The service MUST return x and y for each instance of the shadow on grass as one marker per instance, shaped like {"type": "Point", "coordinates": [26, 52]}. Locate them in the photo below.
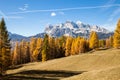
{"type": "Point", "coordinates": [15, 67]}
{"type": "Point", "coordinates": [41, 75]}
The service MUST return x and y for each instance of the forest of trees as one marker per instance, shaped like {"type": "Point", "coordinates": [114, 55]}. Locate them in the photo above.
{"type": "Point", "coordinates": [43, 49]}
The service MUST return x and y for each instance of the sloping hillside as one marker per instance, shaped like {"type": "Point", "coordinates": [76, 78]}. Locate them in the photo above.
{"type": "Point", "coordinates": [112, 73]}
{"type": "Point", "coordinates": [99, 65]}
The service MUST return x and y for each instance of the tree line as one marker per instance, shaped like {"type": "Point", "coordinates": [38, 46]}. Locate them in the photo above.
{"type": "Point", "coordinates": [43, 49]}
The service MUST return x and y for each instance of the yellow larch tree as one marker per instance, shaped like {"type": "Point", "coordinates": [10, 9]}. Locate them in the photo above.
{"type": "Point", "coordinates": [116, 38]}
{"type": "Point", "coordinates": [37, 50]}
{"type": "Point", "coordinates": [73, 47]}
{"type": "Point", "coordinates": [16, 54]}
{"type": "Point", "coordinates": [32, 48]}
{"type": "Point", "coordinates": [93, 40]}
{"type": "Point", "coordinates": [111, 41]}
{"type": "Point", "coordinates": [68, 46]}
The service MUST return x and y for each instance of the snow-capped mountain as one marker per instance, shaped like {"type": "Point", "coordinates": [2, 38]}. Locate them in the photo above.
{"type": "Point", "coordinates": [68, 28]}
{"type": "Point", "coordinates": [75, 29]}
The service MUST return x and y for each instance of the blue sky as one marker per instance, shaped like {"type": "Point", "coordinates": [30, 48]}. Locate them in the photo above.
{"type": "Point", "coordinates": [29, 17]}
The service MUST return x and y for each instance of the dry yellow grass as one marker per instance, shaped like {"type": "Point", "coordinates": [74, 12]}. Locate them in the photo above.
{"type": "Point", "coordinates": [112, 73]}
{"type": "Point", "coordinates": [99, 65]}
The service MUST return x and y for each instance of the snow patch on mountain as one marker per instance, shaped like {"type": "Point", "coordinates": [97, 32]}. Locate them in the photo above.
{"type": "Point", "coordinates": [74, 29]}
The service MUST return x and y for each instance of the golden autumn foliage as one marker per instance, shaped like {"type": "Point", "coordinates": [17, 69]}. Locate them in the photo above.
{"type": "Point", "coordinates": [73, 47]}
{"type": "Point", "coordinates": [102, 43]}
{"type": "Point", "coordinates": [48, 48]}
{"type": "Point", "coordinates": [83, 46]}
{"type": "Point", "coordinates": [32, 48]}
{"type": "Point", "coordinates": [79, 45]}
{"type": "Point", "coordinates": [52, 48]}
{"type": "Point", "coordinates": [44, 55]}
{"type": "Point", "coordinates": [43, 49]}
{"type": "Point", "coordinates": [37, 50]}
{"type": "Point", "coordinates": [107, 43]}
{"type": "Point", "coordinates": [68, 46]}
{"type": "Point", "coordinates": [16, 58]}
{"type": "Point", "coordinates": [21, 53]}
{"type": "Point", "coordinates": [93, 40]}
{"type": "Point", "coordinates": [116, 36]}
{"type": "Point", "coordinates": [111, 41]}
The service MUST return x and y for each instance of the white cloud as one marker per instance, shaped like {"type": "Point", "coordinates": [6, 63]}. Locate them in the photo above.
{"type": "Point", "coordinates": [67, 9]}
{"type": "Point", "coordinates": [24, 8]}
{"type": "Point", "coordinates": [53, 14]}
{"type": "Point", "coordinates": [59, 13]}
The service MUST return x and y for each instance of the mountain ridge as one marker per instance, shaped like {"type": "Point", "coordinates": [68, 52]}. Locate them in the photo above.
{"type": "Point", "coordinates": [74, 29]}
{"type": "Point", "coordinates": [68, 28]}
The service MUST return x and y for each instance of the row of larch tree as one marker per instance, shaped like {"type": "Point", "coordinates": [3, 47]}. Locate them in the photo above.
{"type": "Point", "coordinates": [43, 49]}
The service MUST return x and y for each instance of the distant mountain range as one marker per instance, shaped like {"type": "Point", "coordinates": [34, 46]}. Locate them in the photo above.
{"type": "Point", "coordinates": [16, 37]}
{"type": "Point", "coordinates": [69, 28]}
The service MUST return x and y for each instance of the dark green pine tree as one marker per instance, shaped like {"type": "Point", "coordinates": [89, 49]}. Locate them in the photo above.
{"type": "Point", "coordinates": [4, 48]}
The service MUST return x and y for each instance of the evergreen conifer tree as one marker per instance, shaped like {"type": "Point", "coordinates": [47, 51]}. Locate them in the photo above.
{"type": "Point", "coordinates": [4, 47]}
